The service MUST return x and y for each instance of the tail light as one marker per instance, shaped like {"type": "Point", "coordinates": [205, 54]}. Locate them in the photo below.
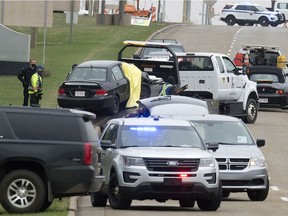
{"type": "Point", "coordinates": [280, 91]}
{"type": "Point", "coordinates": [87, 153]}
{"type": "Point", "coordinates": [101, 92]}
{"type": "Point", "coordinates": [61, 91]}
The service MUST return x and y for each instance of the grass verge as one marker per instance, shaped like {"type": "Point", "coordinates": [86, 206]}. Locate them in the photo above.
{"type": "Point", "coordinates": [88, 42]}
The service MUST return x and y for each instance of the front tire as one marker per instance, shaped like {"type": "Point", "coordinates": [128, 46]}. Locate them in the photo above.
{"type": "Point", "coordinates": [259, 195]}
{"type": "Point", "coordinates": [22, 191]}
{"type": "Point", "coordinates": [263, 21]}
{"type": "Point", "coordinates": [145, 91]}
{"type": "Point", "coordinates": [98, 199]}
{"type": "Point", "coordinates": [116, 199]}
{"type": "Point", "coordinates": [211, 204]}
{"type": "Point", "coordinates": [251, 111]}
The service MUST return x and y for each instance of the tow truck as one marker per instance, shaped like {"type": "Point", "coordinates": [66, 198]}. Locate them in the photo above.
{"type": "Point", "coordinates": [213, 78]}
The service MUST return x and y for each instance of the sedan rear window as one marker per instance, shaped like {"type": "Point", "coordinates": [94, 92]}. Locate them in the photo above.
{"type": "Point", "coordinates": [97, 74]}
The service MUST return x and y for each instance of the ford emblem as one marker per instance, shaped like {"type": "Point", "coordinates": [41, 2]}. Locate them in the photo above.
{"type": "Point", "coordinates": [172, 163]}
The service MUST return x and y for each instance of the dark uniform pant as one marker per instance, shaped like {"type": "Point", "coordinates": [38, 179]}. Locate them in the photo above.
{"type": "Point", "coordinates": [26, 96]}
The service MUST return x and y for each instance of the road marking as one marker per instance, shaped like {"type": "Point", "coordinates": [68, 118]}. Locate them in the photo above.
{"type": "Point", "coordinates": [274, 188]}
{"type": "Point", "coordinates": [284, 199]}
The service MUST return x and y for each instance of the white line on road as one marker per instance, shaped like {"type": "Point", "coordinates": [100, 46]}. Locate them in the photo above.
{"type": "Point", "coordinates": [274, 188]}
{"type": "Point", "coordinates": [284, 199]}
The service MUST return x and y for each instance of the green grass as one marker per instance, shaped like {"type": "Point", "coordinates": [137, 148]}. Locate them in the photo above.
{"type": "Point", "coordinates": [89, 42]}
{"type": "Point", "coordinates": [58, 208]}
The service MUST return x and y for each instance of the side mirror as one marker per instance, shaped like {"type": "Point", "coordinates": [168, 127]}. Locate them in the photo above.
{"type": "Point", "coordinates": [105, 144]}
{"type": "Point", "coordinates": [260, 142]}
{"type": "Point", "coordinates": [212, 146]}
{"type": "Point", "coordinates": [238, 71]}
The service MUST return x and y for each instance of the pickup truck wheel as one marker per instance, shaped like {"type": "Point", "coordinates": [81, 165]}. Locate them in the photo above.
{"type": "Point", "coordinates": [145, 91]}
{"type": "Point", "coordinates": [211, 204]}
{"type": "Point", "coordinates": [230, 20]}
{"type": "Point", "coordinates": [46, 205]}
{"type": "Point", "coordinates": [116, 199]}
{"type": "Point", "coordinates": [251, 111]}
{"type": "Point", "coordinates": [263, 21]}
{"type": "Point", "coordinates": [259, 195]}
{"type": "Point", "coordinates": [186, 203]}
{"type": "Point", "coordinates": [22, 191]}
{"type": "Point", "coordinates": [114, 109]}
{"type": "Point", "coordinates": [98, 199]}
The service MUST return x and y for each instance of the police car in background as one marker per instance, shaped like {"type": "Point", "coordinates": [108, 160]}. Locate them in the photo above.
{"type": "Point", "coordinates": [250, 14]}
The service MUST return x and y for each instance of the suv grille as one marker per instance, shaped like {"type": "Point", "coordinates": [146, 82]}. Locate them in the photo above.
{"type": "Point", "coordinates": [232, 163]}
{"type": "Point", "coordinates": [176, 165]}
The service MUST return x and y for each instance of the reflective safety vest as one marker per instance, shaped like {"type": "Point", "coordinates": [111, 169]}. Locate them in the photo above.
{"type": "Point", "coordinates": [35, 85]}
{"type": "Point", "coordinates": [166, 89]}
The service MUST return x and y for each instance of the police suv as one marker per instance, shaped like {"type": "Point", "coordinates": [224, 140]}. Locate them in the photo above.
{"type": "Point", "coordinates": [250, 14]}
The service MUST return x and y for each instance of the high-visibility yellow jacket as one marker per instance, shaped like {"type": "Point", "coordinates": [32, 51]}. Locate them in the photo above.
{"type": "Point", "coordinates": [166, 89]}
{"type": "Point", "coordinates": [35, 85]}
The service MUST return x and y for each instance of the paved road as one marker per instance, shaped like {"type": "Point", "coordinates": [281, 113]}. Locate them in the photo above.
{"type": "Point", "coordinates": [272, 125]}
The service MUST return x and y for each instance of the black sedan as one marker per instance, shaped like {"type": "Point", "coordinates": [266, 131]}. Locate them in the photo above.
{"type": "Point", "coordinates": [272, 85]}
{"type": "Point", "coordinates": [96, 85]}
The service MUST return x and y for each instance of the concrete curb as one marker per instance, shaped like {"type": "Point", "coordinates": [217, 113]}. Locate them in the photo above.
{"type": "Point", "coordinates": [73, 206]}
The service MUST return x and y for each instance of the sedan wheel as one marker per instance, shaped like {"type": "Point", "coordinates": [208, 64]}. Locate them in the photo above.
{"type": "Point", "coordinates": [114, 109]}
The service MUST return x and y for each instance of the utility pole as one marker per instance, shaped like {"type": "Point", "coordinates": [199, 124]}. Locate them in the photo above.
{"type": "Point", "coordinates": [71, 20]}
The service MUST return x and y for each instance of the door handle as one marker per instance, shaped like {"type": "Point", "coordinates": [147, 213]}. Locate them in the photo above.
{"type": "Point", "coordinates": [201, 81]}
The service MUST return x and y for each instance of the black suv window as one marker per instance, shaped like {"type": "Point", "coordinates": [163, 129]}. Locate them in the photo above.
{"type": "Point", "coordinates": [44, 127]}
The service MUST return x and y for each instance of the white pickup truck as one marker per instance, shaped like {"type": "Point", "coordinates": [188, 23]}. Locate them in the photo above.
{"type": "Point", "coordinates": [215, 78]}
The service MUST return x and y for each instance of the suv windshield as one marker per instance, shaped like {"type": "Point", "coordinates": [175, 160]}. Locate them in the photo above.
{"type": "Point", "coordinates": [160, 136]}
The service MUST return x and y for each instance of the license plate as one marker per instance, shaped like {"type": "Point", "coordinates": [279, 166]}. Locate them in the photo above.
{"type": "Point", "coordinates": [263, 100]}
{"type": "Point", "coordinates": [80, 93]}
{"type": "Point", "coordinates": [172, 181]}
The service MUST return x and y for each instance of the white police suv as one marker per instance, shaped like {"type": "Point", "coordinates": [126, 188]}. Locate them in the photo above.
{"type": "Point", "coordinates": [250, 14]}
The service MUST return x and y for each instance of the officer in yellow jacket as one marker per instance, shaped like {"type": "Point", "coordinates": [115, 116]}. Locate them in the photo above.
{"type": "Point", "coordinates": [169, 87]}
{"type": "Point", "coordinates": [35, 87]}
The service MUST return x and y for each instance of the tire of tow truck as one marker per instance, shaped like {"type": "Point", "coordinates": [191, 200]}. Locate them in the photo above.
{"type": "Point", "coordinates": [251, 111]}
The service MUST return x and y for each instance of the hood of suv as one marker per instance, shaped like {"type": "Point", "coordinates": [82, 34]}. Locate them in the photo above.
{"type": "Point", "coordinates": [165, 152]}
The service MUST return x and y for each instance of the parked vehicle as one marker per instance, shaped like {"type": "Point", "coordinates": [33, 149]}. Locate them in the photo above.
{"type": "Point", "coordinates": [272, 85]}
{"type": "Point", "coordinates": [250, 14]}
{"type": "Point", "coordinates": [46, 154]}
{"type": "Point", "coordinates": [96, 85]}
{"type": "Point", "coordinates": [214, 77]}
{"type": "Point", "coordinates": [157, 158]}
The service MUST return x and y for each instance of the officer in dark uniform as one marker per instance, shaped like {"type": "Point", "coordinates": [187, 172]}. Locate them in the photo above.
{"type": "Point", "coordinates": [25, 76]}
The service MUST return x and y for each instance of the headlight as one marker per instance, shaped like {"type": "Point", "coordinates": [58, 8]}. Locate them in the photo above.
{"type": "Point", "coordinates": [257, 161]}
{"type": "Point", "coordinates": [133, 161]}
{"type": "Point", "coordinates": [207, 162]}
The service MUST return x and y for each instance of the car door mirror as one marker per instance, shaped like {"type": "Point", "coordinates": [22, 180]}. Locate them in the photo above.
{"type": "Point", "coordinates": [105, 144]}
{"type": "Point", "coordinates": [212, 146]}
{"type": "Point", "coordinates": [260, 142]}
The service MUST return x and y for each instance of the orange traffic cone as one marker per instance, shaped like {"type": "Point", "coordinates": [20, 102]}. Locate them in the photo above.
{"type": "Point", "coordinates": [246, 60]}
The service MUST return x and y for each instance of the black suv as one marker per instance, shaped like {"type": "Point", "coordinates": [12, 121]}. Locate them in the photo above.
{"type": "Point", "coordinates": [46, 154]}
